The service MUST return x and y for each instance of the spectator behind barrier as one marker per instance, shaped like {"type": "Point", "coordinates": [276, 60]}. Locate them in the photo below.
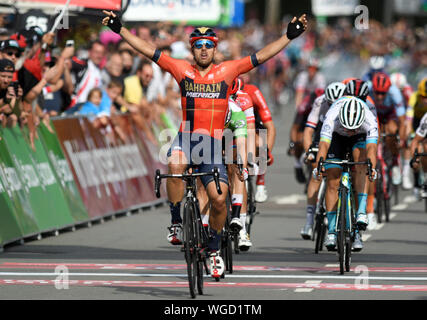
{"type": "Point", "coordinates": [10, 94]}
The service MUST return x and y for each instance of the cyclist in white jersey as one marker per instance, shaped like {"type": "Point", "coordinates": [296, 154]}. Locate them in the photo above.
{"type": "Point", "coordinates": [321, 105]}
{"type": "Point", "coordinates": [349, 125]}
{"type": "Point", "coordinates": [420, 137]}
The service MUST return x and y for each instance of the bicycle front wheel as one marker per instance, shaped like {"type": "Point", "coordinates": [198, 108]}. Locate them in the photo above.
{"type": "Point", "coordinates": [190, 247]}
{"type": "Point", "coordinates": [341, 242]}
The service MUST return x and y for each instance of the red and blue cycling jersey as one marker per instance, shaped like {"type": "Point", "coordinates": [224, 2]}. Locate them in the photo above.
{"type": "Point", "coordinates": [204, 99]}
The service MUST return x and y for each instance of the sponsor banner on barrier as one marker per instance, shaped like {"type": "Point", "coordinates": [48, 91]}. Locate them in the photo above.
{"type": "Point", "coordinates": [150, 153]}
{"type": "Point", "coordinates": [112, 174]}
{"type": "Point", "coordinates": [38, 180]}
{"type": "Point", "coordinates": [122, 167]}
{"type": "Point", "coordinates": [11, 210]}
{"type": "Point", "coordinates": [60, 213]}
{"type": "Point", "coordinates": [63, 173]}
{"type": "Point", "coordinates": [94, 191]}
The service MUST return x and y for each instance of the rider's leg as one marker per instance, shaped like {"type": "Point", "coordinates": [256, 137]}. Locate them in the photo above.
{"type": "Point", "coordinates": [236, 200]}
{"type": "Point", "coordinates": [361, 185]}
{"type": "Point", "coordinates": [177, 163]}
{"type": "Point", "coordinates": [261, 191]}
{"type": "Point", "coordinates": [218, 213]}
{"type": "Point", "coordinates": [391, 127]}
{"type": "Point", "coordinates": [202, 197]}
{"type": "Point", "coordinates": [312, 191]}
{"type": "Point", "coordinates": [333, 175]}
{"type": "Point", "coordinates": [372, 218]}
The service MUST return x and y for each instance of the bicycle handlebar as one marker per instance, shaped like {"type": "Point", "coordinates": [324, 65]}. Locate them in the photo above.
{"type": "Point", "coordinates": [159, 177]}
{"type": "Point", "coordinates": [345, 162]}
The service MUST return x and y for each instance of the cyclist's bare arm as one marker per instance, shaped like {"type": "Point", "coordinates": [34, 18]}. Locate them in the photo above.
{"type": "Point", "coordinates": [415, 142]}
{"type": "Point", "coordinates": [241, 150]}
{"type": "Point", "coordinates": [371, 153]}
{"type": "Point", "coordinates": [307, 138]}
{"type": "Point", "coordinates": [137, 43]}
{"type": "Point", "coordinates": [271, 134]}
{"type": "Point", "coordinates": [323, 149]}
{"type": "Point", "coordinates": [275, 47]}
{"type": "Point", "coordinates": [402, 129]}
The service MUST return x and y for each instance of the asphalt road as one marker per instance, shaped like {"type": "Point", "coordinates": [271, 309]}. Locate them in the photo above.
{"type": "Point", "coordinates": [129, 257]}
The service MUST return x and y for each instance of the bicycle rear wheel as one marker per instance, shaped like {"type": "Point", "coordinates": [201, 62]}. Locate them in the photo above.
{"type": "Point", "coordinates": [190, 250]}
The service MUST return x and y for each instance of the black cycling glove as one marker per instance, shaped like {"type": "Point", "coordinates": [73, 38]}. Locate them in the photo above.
{"type": "Point", "coordinates": [294, 29]}
{"type": "Point", "coordinates": [115, 24]}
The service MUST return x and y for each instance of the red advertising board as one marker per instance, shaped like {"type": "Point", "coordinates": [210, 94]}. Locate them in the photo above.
{"type": "Point", "coordinates": [113, 174]}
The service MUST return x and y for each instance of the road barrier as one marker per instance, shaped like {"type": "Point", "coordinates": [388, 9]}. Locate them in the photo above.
{"type": "Point", "coordinates": [73, 174]}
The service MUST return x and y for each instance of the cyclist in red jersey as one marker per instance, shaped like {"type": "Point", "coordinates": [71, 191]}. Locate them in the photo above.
{"type": "Point", "coordinates": [263, 120]}
{"type": "Point", "coordinates": [205, 88]}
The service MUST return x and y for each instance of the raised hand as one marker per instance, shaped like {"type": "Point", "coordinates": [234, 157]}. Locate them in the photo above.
{"type": "Point", "coordinates": [112, 21]}
{"type": "Point", "coordinates": [296, 27]}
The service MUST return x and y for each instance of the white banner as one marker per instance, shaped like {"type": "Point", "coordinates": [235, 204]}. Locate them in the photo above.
{"type": "Point", "coordinates": [408, 6]}
{"type": "Point", "coordinates": [333, 7]}
{"type": "Point", "coordinates": [176, 10]}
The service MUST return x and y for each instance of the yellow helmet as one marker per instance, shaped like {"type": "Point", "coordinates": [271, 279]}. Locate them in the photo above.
{"type": "Point", "coordinates": [422, 87]}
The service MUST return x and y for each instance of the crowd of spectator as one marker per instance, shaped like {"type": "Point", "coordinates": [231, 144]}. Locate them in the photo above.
{"type": "Point", "coordinates": [108, 77]}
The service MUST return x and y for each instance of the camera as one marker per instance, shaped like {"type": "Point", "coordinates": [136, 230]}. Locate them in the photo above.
{"type": "Point", "coordinates": [15, 85]}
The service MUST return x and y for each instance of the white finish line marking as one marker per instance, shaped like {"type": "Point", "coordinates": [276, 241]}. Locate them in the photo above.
{"type": "Point", "coordinates": [184, 284]}
{"type": "Point", "coordinates": [237, 276]}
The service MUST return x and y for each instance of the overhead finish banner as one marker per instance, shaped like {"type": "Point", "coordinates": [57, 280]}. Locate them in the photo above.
{"type": "Point", "coordinates": [333, 7]}
{"type": "Point", "coordinates": [173, 10]}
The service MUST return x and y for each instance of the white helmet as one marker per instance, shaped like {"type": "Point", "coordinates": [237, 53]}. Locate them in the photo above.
{"type": "Point", "coordinates": [334, 91]}
{"type": "Point", "coordinates": [352, 113]}
{"type": "Point", "coordinates": [377, 62]}
{"type": "Point", "coordinates": [399, 80]}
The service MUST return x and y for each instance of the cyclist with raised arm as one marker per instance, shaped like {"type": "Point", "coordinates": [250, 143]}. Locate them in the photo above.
{"type": "Point", "coordinates": [205, 88]}
{"type": "Point", "coordinates": [349, 126]}
{"type": "Point", "coordinates": [321, 105]}
{"type": "Point", "coordinates": [391, 115]}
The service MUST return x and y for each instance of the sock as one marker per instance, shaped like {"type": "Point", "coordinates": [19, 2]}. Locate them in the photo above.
{"type": "Point", "coordinates": [297, 163]}
{"type": "Point", "coordinates": [205, 220]}
{"type": "Point", "coordinates": [214, 239]}
{"type": "Point", "coordinates": [406, 166]}
{"type": "Point", "coordinates": [175, 212]}
{"type": "Point", "coordinates": [310, 214]}
{"type": "Point", "coordinates": [332, 220]}
{"type": "Point", "coordinates": [243, 220]}
{"type": "Point", "coordinates": [361, 200]}
{"type": "Point", "coordinates": [260, 180]}
{"type": "Point", "coordinates": [370, 204]}
{"type": "Point", "coordinates": [236, 201]}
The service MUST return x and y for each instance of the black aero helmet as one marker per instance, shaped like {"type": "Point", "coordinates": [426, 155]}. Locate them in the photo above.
{"type": "Point", "coordinates": [203, 33]}
{"type": "Point", "coordinates": [357, 88]}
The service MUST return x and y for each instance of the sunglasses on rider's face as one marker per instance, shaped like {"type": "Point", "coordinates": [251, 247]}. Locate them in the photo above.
{"type": "Point", "coordinates": [207, 43]}
{"type": "Point", "coordinates": [379, 93]}
{"type": "Point", "coordinates": [13, 53]}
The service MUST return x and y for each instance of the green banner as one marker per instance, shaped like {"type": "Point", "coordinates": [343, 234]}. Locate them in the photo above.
{"type": "Point", "coordinates": [9, 228]}
{"type": "Point", "coordinates": [49, 207]}
{"type": "Point", "coordinates": [63, 172]}
{"type": "Point", "coordinates": [16, 196]}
